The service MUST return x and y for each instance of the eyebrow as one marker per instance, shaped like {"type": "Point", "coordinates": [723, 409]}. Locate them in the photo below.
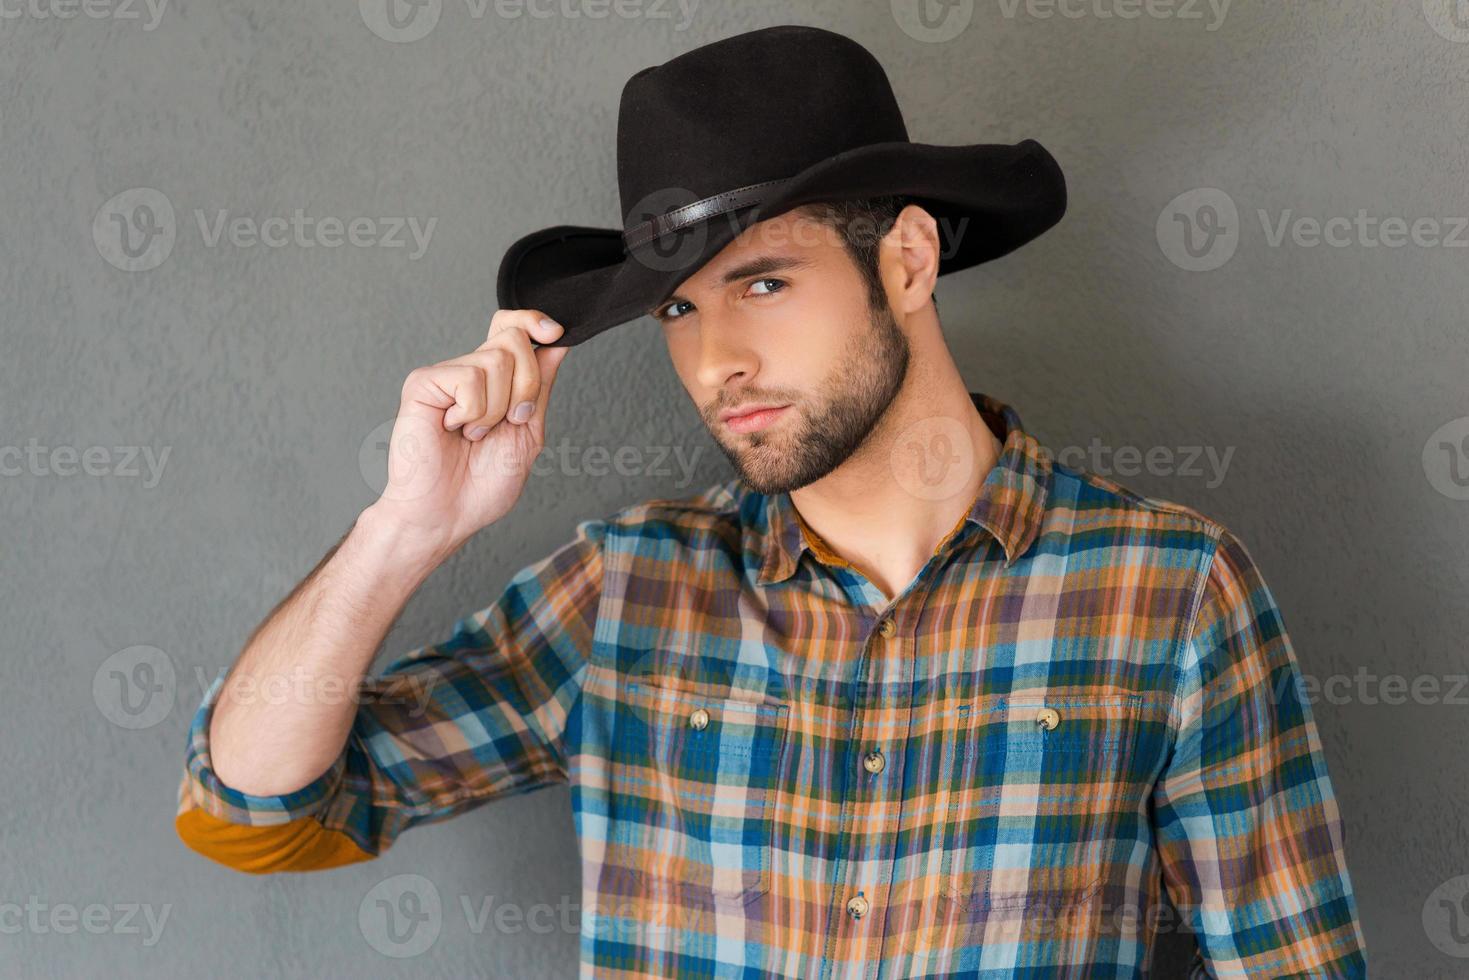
{"type": "Point", "coordinates": [762, 265]}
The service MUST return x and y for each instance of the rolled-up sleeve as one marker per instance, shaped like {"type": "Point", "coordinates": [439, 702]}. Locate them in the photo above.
{"type": "Point", "coordinates": [446, 727]}
{"type": "Point", "coordinates": [1248, 830]}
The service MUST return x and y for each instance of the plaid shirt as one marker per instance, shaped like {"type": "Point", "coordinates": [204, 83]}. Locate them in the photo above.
{"type": "Point", "coordinates": [1084, 697]}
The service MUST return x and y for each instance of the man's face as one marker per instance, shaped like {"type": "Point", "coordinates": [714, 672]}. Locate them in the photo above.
{"type": "Point", "coordinates": [781, 317]}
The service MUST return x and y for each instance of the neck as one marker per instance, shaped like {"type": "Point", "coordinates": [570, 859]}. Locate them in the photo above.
{"type": "Point", "coordinates": [886, 509]}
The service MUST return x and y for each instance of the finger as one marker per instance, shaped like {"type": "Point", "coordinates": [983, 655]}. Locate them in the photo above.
{"type": "Point", "coordinates": [549, 359]}
{"type": "Point", "coordinates": [468, 389]}
{"type": "Point", "coordinates": [535, 323]}
{"type": "Point", "coordinates": [455, 390]}
{"type": "Point", "coordinates": [525, 377]}
{"type": "Point", "coordinates": [497, 366]}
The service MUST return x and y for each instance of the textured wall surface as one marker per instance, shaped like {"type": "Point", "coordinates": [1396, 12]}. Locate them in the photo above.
{"type": "Point", "coordinates": [188, 428]}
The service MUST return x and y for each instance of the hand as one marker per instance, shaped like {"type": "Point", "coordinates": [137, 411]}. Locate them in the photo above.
{"type": "Point", "coordinates": [459, 455]}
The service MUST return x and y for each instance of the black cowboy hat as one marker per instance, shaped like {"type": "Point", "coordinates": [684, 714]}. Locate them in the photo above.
{"type": "Point", "coordinates": [744, 129]}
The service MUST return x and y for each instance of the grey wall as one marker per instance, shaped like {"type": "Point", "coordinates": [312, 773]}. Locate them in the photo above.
{"type": "Point", "coordinates": [1325, 372]}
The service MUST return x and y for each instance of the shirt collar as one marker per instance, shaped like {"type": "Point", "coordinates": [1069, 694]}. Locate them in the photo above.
{"type": "Point", "coordinates": [1010, 503]}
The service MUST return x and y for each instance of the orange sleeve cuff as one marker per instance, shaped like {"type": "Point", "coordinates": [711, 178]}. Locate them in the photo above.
{"type": "Point", "coordinates": [300, 845]}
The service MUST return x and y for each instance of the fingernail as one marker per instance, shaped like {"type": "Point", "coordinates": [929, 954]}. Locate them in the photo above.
{"type": "Point", "coordinates": [522, 411]}
{"type": "Point", "coordinates": [550, 324]}
{"type": "Point", "coordinates": [478, 431]}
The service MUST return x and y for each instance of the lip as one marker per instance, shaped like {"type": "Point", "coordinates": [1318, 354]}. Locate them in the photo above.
{"type": "Point", "coordinates": [753, 418]}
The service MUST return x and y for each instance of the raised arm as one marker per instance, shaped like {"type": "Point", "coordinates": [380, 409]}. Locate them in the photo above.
{"type": "Point", "coordinates": [273, 734]}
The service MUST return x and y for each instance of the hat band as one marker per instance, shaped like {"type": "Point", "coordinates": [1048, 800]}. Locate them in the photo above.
{"type": "Point", "coordinates": [701, 210]}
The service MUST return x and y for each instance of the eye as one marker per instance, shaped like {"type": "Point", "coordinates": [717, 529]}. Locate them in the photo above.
{"type": "Point", "coordinates": [665, 313]}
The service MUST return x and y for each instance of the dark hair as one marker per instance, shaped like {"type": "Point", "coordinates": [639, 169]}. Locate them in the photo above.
{"type": "Point", "coordinates": [862, 225]}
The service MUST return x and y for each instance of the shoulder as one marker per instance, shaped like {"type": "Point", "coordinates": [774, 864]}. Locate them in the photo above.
{"type": "Point", "coordinates": [713, 519]}
{"type": "Point", "coordinates": [1105, 512]}
{"type": "Point", "coordinates": [1100, 510]}
{"type": "Point", "coordinates": [708, 509]}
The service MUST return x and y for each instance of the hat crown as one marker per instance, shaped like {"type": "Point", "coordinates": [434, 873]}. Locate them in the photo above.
{"type": "Point", "coordinates": [758, 106]}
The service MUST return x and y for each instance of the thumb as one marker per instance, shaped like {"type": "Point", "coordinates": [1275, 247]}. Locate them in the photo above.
{"type": "Point", "coordinates": [548, 360]}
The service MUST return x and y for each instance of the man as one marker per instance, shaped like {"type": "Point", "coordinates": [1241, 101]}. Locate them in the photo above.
{"type": "Point", "coordinates": [906, 697]}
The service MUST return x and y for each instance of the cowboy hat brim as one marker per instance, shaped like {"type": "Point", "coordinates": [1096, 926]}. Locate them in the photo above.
{"type": "Point", "coordinates": [988, 199]}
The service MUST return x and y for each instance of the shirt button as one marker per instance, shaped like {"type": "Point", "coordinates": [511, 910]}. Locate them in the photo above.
{"type": "Point", "coordinates": [887, 627]}
{"type": "Point", "coordinates": [699, 718]}
{"type": "Point", "coordinates": [857, 906]}
{"type": "Point", "coordinates": [1048, 718]}
{"type": "Point", "coordinates": [873, 761]}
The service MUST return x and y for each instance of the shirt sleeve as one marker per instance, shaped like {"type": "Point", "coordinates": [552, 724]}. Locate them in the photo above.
{"type": "Point", "coordinates": [447, 727]}
{"type": "Point", "coordinates": [1248, 831]}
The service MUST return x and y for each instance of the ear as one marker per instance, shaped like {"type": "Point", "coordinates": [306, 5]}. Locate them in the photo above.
{"type": "Point", "coordinates": [909, 259]}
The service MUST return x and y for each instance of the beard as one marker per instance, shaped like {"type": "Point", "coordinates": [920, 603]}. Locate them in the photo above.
{"type": "Point", "coordinates": [807, 444]}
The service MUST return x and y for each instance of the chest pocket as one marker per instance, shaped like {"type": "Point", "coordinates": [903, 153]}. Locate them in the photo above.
{"type": "Point", "coordinates": [696, 778]}
{"type": "Point", "coordinates": [1040, 786]}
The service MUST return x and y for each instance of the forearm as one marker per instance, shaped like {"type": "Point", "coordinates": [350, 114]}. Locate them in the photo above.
{"type": "Point", "coordinates": [290, 698]}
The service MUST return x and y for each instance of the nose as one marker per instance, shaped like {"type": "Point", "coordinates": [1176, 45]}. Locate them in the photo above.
{"type": "Point", "coordinates": [722, 357]}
